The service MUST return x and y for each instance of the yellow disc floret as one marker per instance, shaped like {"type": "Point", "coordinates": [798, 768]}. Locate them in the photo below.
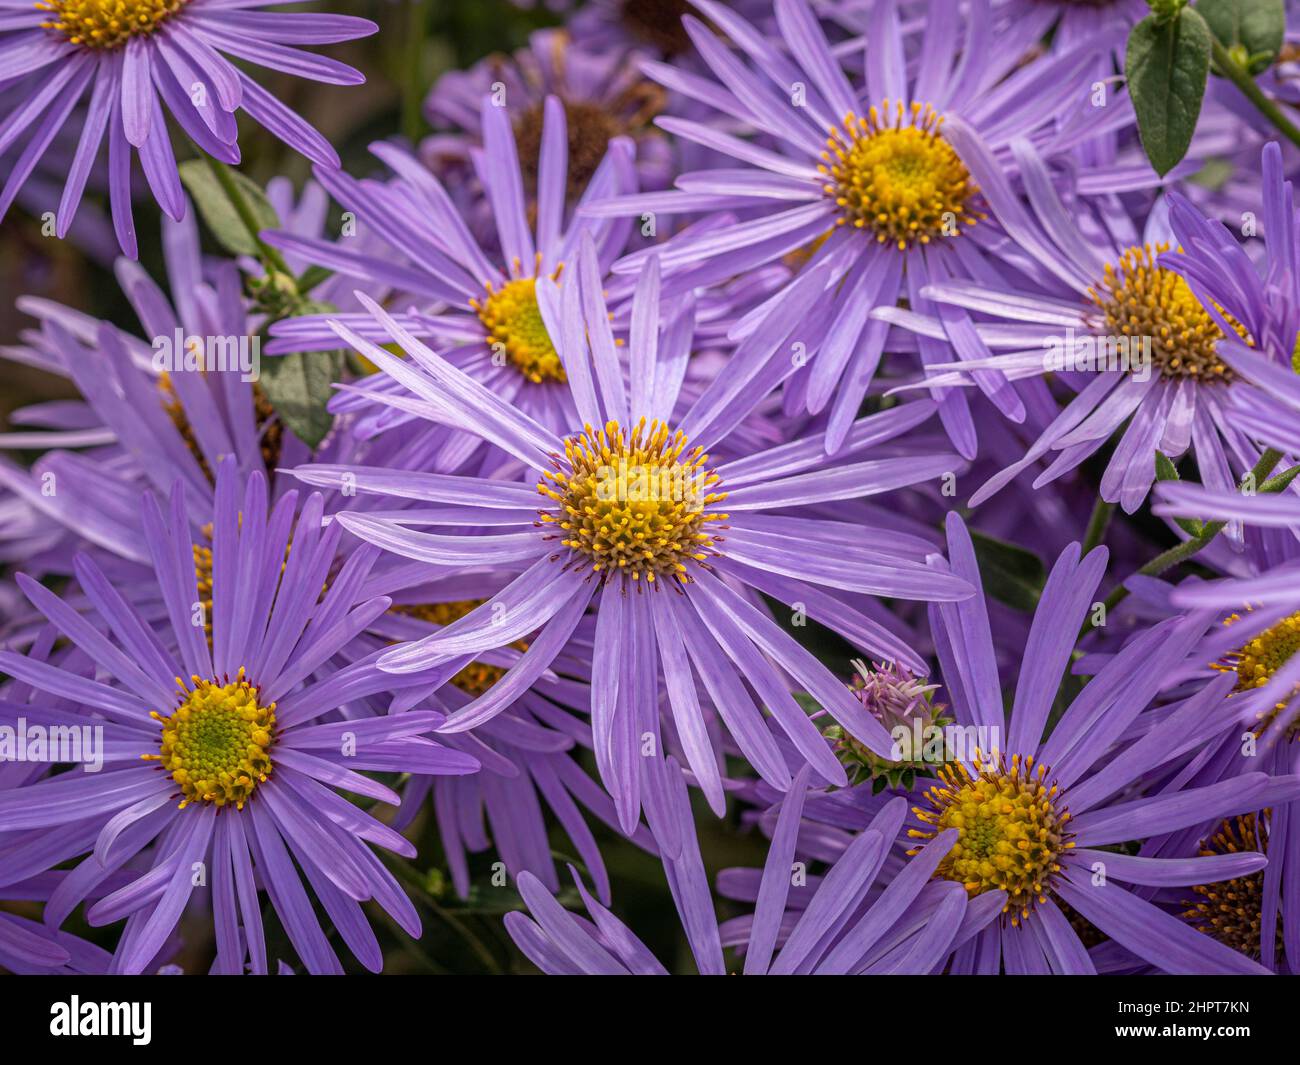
{"type": "Point", "coordinates": [106, 23]}
{"type": "Point", "coordinates": [634, 503]}
{"type": "Point", "coordinates": [1140, 300]}
{"type": "Point", "coordinates": [1011, 831]}
{"type": "Point", "coordinates": [515, 329]}
{"type": "Point", "coordinates": [1232, 911]}
{"type": "Point", "coordinates": [216, 743]}
{"type": "Point", "coordinates": [893, 173]}
{"type": "Point", "coordinates": [1259, 658]}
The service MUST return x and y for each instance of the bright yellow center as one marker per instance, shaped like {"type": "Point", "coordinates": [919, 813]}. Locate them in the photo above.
{"type": "Point", "coordinates": [893, 173]}
{"type": "Point", "coordinates": [634, 503]}
{"type": "Point", "coordinates": [215, 743]}
{"type": "Point", "coordinates": [106, 23]}
{"type": "Point", "coordinates": [1142, 300]}
{"type": "Point", "coordinates": [1231, 911]}
{"type": "Point", "coordinates": [477, 677]}
{"type": "Point", "coordinates": [1257, 661]}
{"type": "Point", "coordinates": [516, 331]}
{"type": "Point", "coordinates": [1010, 831]}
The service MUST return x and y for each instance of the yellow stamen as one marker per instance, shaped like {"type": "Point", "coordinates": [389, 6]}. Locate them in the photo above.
{"type": "Point", "coordinates": [893, 173]}
{"type": "Point", "coordinates": [215, 744]}
{"type": "Point", "coordinates": [106, 23]}
{"type": "Point", "coordinates": [1140, 299]}
{"type": "Point", "coordinates": [515, 329]}
{"type": "Point", "coordinates": [1231, 911]}
{"type": "Point", "coordinates": [634, 503]}
{"type": "Point", "coordinates": [1011, 832]}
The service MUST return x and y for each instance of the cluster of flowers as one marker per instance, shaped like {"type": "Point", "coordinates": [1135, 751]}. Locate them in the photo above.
{"type": "Point", "coordinates": [695, 330]}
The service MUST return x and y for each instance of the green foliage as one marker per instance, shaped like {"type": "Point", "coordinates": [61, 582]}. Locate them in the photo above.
{"type": "Point", "coordinates": [1166, 66]}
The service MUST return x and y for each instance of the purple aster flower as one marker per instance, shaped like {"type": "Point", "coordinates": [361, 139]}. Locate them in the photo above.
{"type": "Point", "coordinates": [1137, 332]}
{"type": "Point", "coordinates": [1066, 796]}
{"type": "Point", "coordinates": [479, 306]}
{"type": "Point", "coordinates": [244, 743]}
{"type": "Point", "coordinates": [137, 55]}
{"type": "Point", "coordinates": [624, 513]}
{"type": "Point", "coordinates": [876, 178]}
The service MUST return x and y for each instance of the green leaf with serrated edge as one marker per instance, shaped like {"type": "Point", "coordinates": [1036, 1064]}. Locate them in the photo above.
{"type": "Point", "coordinates": [1165, 469]}
{"type": "Point", "coordinates": [1254, 28]}
{"type": "Point", "coordinates": [219, 214]}
{"type": "Point", "coordinates": [1010, 574]}
{"type": "Point", "coordinates": [1166, 68]}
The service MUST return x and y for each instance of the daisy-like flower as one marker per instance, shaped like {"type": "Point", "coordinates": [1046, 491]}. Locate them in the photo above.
{"type": "Point", "coordinates": [870, 177]}
{"type": "Point", "coordinates": [221, 752]}
{"type": "Point", "coordinates": [1135, 329]}
{"type": "Point", "coordinates": [1039, 816]}
{"type": "Point", "coordinates": [135, 56]}
{"type": "Point", "coordinates": [844, 924]}
{"type": "Point", "coordinates": [628, 512]}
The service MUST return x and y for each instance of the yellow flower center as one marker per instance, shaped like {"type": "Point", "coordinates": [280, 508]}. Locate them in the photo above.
{"type": "Point", "coordinates": [1010, 830]}
{"type": "Point", "coordinates": [634, 503]}
{"type": "Point", "coordinates": [902, 181]}
{"type": "Point", "coordinates": [215, 743]}
{"type": "Point", "coordinates": [516, 331]}
{"type": "Point", "coordinates": [1231, 911]}
{"type": "Point", "coordinates": [106, 23]}
{"type": "Point", "coordinates": [1142, 300]}
{"type": "Point", "coordinates": [1257, 660]}
{"type": "Point", "coordinates": [477, 677]}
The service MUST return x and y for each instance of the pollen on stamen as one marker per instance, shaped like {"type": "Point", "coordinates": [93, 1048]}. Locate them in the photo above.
{"type": "Point", "coordinates": [1010, 824]}
{"type": "Point", "coordinates": [106, 24]}
{"type": "Point", "coordinates": [515, 328]}
{"type": "Point", "coordinates": [892, 172]}
{"type": "Point", "coordinates": [634, 503]}
{"type": "Point", "coordinates": [1139, 299]}
{"type": "Point", "coordinates": [216, 743]}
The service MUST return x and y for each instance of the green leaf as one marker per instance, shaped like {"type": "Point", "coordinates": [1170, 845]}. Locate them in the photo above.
{"type": "Point", "coordinates": [1166, 68]}
{"type": "Point", "coordinates": [219, 213]}
{"type": "Point", "coordinates": [1254, 28]}
{"type": "Point", "coordinates": [1011, 574]}
{"type": "Point", "coordinates": [1165, 469]}
{"type": "Point", "coordinates": [298, 387]}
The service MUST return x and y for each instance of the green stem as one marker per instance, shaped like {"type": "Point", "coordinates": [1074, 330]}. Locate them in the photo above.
{"type": "Point", "coordinates": [1167, 560]}
{"type": "Point", "coordinates": [271, 257]}
{"type": "Point", "coordinates": [412, 89]}
{"type": "Point", "coordinates": [1242, 79]}
{"type": "Point", "coordinates": [1098, 524]}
